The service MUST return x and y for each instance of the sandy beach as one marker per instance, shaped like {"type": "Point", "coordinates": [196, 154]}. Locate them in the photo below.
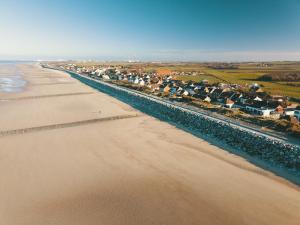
{"type": "Point", "coordinates": [70, 155]}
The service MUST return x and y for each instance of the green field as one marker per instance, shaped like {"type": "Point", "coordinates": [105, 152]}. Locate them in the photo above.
{"type": "Point", "coordinates": [245, 75]}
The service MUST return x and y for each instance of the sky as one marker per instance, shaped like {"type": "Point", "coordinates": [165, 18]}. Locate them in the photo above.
{"type": "Point", "coordinates": [150, 30]}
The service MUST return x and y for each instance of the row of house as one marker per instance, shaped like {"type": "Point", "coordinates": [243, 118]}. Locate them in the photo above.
{"type": "Point", "coordinates": [250, 99]}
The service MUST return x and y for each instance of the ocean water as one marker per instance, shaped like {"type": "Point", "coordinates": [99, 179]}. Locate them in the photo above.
{"type": "Point", "coordinates": [11, 79]}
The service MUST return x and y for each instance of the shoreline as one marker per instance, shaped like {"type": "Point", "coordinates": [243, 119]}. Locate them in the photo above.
{"type": "Point", "coordinates": [11, 79]}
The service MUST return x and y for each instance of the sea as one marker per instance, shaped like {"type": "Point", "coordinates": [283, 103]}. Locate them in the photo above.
{"type": "Point", "coordinates": [11, 78]}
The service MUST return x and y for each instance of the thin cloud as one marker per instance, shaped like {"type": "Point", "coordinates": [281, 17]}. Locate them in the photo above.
{"type": "Point", "coordinates": [203, 55]}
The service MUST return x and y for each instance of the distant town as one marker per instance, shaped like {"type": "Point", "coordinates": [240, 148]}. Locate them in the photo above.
{"type": "Point", "coordinates": [248, 103]}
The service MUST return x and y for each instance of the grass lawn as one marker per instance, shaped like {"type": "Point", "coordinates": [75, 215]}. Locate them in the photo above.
{"type": "Point", "coordinates": [245, 75]}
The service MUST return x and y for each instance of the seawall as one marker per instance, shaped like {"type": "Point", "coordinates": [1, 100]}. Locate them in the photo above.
{"type": "Point", "coordinates": [261, 146]}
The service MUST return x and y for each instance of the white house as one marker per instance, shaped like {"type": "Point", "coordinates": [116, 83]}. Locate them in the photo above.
{"type": "Point", "coordinates": [289, 112]}
{"type": "Point", "coordinates": [259, 111]}
{"type": "Point", "coordinates": [136, 80]}
{"type": "Point", "coordinates": [229, 103]}
{"type": "Point", "coordinates": [130, 79]}
{"type": "Point", "coordinates": [186, 93]}
{"type": "Point", "coordinates": [207, 99]}
{"type": "Point", "coordinates": [257, 99]}
{"type": "Point", "coordinates": [141, 82]}
{"type": "Point", "coordinates": [105, 77]}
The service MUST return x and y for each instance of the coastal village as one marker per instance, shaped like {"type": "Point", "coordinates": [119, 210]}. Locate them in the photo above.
{"type": "Point", "coordinates": [246, 103]}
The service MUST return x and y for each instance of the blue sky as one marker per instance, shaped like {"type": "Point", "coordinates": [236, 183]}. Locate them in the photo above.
{"type": "Point", "coordinates": [227, 30]}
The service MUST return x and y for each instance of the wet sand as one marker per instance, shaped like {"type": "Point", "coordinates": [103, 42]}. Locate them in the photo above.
{"type": "Point", "coordinates": [124, 167]}
{"type": "Point", "coordinates": [10, 78]}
